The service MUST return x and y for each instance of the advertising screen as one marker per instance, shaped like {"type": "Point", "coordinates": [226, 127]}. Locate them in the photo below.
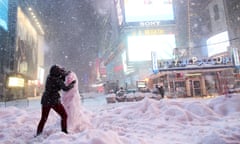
{"type": "Point", "coordinates": [26, 46]}
{"type": "Point", "coordinates": [218, 43]}
{"type": "Point", "coordinates": [140, 48]}
{"type": "Point", "coordinates": [148, 10]}
{"type": "Point", "coordinates": [4, 14]}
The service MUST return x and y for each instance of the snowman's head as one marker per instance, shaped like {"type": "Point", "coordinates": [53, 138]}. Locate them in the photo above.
{"type": "Point", "coordinates": [71, 77]}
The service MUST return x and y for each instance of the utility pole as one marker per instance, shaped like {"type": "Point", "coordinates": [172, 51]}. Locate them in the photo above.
{"type": "Point", "coordinates": [189, 49]}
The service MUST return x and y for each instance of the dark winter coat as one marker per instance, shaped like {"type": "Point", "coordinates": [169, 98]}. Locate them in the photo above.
{"type": "Point", "coordinates": [55, 83]}
{"type": "Point", "coordinates": [161, 91]}
{"type": "Point", "coordinates": [51, 95]}
{"type": "Point", "coordinates": [120, 92]}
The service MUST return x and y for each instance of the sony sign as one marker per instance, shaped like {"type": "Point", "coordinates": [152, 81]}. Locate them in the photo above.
{"type": "Point", "coordinates": [150, 24]}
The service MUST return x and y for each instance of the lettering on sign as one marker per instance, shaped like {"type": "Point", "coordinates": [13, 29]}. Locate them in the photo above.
{"type": "Point", "coordinates": [153, 32]}
{"type": "Point", "coordinates": [150, 23]}
{"type": "Point", "coordinates": [195, 61]}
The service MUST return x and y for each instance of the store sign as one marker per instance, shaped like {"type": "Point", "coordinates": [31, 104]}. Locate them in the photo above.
{"type": "Point", "coordinates": [150, 24]}
{"type": "Point", "coordinates": [198, 62]}
{"type": "Point", "coordinates": [154, 32]}
{"type": "Point", "coordinates": [15, 82]}
{"type": "Point", "coordinates": [141, 84]}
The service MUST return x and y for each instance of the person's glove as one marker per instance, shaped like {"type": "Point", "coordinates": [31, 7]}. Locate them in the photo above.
{"type": "Point", "coordinates": [71, 85]}
{"type": "Point", "coordinates": [73, 82]}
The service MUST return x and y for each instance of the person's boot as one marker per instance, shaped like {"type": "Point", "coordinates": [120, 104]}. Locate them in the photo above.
{"type": "Point", "coordinates": [37, 134]}
{"type": "Point", "coordinates": [65, 131]}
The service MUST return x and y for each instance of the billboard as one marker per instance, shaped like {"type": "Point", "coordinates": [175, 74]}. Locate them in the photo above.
{"type": "Point", "coordinates": [26, 46]}
{"type": "Point", "coordinates": [140, 48]}
{"type": "Point", "coordinates": [148, 10]}
{"type": "Point", "coordinates": [154, 62]}
{"type": "Point", "coordinates": [217, 44]}
{"type": "Point", "coordinates": [4, 14]}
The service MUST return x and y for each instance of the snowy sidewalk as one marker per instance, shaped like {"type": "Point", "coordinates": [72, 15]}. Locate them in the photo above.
{"type": "Point", "coordinates": [27, 102]}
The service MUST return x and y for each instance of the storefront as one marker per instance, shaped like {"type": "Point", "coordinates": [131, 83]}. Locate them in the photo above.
{"type": "Point", "coordinates": [195, 82]}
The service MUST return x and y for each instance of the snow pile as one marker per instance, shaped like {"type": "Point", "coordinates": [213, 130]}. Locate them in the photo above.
{"type": "Point", "coordinates": [149, 121]}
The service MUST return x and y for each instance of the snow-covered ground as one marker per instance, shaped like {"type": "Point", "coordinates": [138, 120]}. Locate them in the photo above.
{"type": "Point", "coordinates": [166, 121]}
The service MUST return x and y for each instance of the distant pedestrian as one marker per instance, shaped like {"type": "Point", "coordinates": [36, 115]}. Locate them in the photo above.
{"type": "Point", "coordinates": [156, 90]}
{"type": "Point", "coordinates": [120, 92]}
{"type": "Point", "coordinates": [161, 91]}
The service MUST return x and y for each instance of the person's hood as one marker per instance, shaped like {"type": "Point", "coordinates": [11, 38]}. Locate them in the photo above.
{"type": "Point", "coordinates": [56, 71]}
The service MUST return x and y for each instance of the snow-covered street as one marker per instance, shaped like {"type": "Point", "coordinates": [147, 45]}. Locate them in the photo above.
{"type": "Point", "coordinates": [166, 121]}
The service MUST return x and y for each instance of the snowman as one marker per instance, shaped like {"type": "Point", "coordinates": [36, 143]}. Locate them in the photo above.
{"type": "Point", "coordinates": [78, 118]}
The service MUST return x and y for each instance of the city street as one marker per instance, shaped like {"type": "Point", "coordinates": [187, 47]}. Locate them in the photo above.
{"type": "Point", "coordinates": [91, 102]}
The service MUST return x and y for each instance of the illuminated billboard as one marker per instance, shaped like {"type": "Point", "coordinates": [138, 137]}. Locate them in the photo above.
{"type": "Point", "coordinates": [218, 44]}
{"type": "Point", "coordinates": [148, 10]}
{"type": "Point", "coordinates": [26, 46]}
{"type": "Point", "coordinates": [15, 82]}
{"type": "Point", "coordinates": [4, 14]}
{"type": "Point", "coordinates": [140, 48]}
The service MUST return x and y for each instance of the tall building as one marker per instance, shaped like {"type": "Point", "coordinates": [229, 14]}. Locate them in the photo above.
{"type": "Point", "coordinates": [22, 65]}
{"type": "Point", "coordinates": [108, 64]}
{"type": "Point", "coordinates": [233, 20]}
{"type": "Point", "coordinates": [202, 29]}
{"type": "Point", "coordinates": [129, 59]}
{"type": "Point", "coordinates": [208, 49]}
{"type": "Point", "coordinates": [198, 22]}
